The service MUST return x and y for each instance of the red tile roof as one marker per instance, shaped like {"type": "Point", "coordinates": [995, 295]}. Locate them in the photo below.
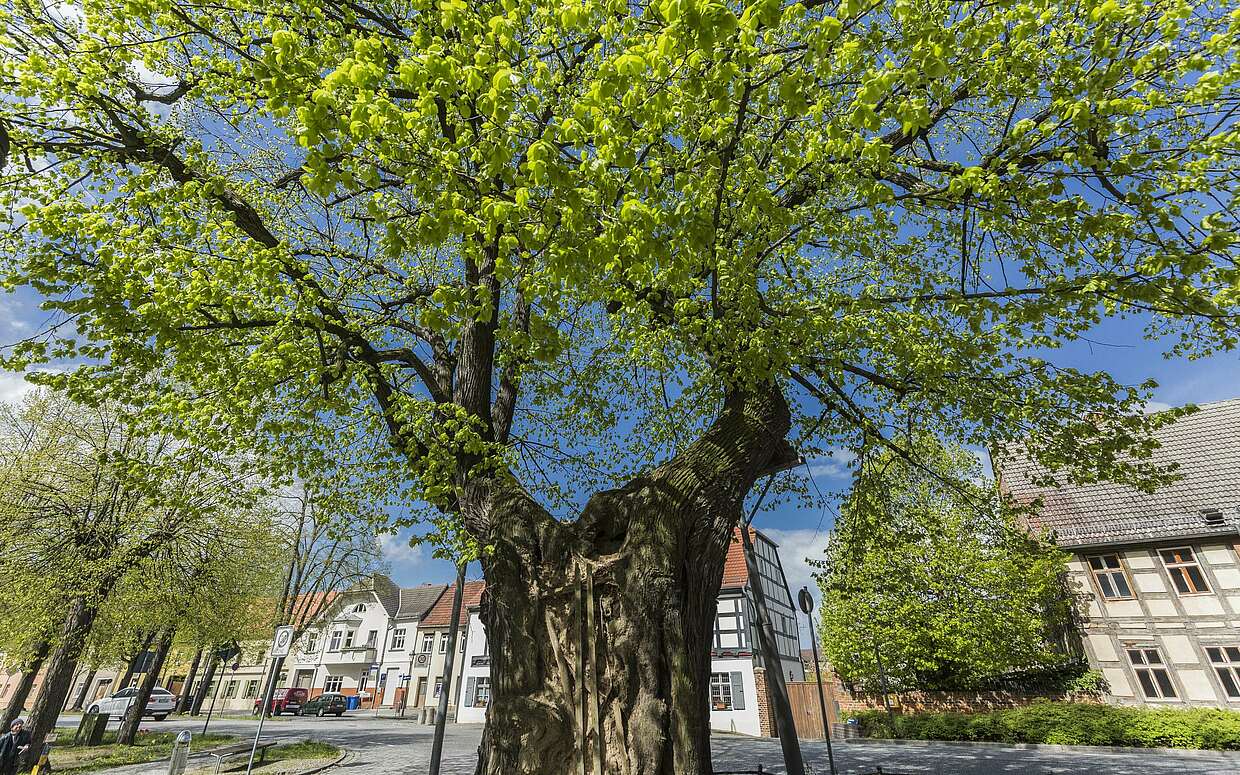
{"type": "Point", "coordinates": [440, 614]}
{"type": "Point", "coordinates": [735, 571]}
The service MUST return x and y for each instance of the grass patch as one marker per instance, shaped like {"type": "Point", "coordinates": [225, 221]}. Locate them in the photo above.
{"type": "Point", "coordinates": [1068, 723]}
{"type": "Point", "coordinates": [306, 749]}
{"type": "Point", "coordinates": [148, 747]}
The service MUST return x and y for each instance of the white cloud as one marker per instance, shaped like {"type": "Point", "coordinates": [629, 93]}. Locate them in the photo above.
{"type": "Point", "coordinates": [408, 563]}
{"type": "Point", "coordinates": [836, 465]}
{"type": "Point", "coordinates": [13, 387]}
{"type": "Point", "coordinates": [1155, 406]}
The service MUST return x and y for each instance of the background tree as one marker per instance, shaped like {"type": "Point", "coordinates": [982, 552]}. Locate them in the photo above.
{"type": "Point", "coordinates": [528, 252]}
{"type": "Point", "coordinates": [97, 501]}
{"type": "Point", "coordinates": [930, 567]}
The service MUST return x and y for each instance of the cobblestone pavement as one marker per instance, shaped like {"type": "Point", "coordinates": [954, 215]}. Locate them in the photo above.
{"type": "Point", "coordinates": [386, 746]}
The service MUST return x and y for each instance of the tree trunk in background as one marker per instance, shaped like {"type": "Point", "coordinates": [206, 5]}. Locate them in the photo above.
{"type": "Point", "coordinates": [188, 688]}
{"type": "Point", "coordinates": [204, 685]}
{"type": "Point", "coordinates": [21, 692]}
{"type": "Point", "coordinates": [60, 666]}
{"type": "Point", "coordinates": [80, 702]}
{"type": "Point", "coordinates": [600, 629]}
{"type": "Point", "coordinates": [133, 665]}
{"type": "Point", "coordinates": [128, 731]}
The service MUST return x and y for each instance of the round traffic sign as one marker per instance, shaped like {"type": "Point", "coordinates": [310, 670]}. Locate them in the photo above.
{"type": "Point", "coordinates": [805, 600]}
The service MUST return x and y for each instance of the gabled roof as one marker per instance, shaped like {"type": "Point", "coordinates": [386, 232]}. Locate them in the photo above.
{"type": "Point", "coordinates": [415, 602]}
{"type": "Point", "coordinates": [1204, 445]}
{"type": "Point", "coordinates": [387, 592]}
{"type": "Point", "coordinates": [735, 571]}
{"type": "Point", "coordinates": [440, 614]}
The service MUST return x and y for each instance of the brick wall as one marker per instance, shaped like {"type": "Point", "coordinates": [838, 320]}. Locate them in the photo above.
{"type": "Point", "coordinates": [766, 722]}
{"type": "Point", "coordinates": [952, 702]}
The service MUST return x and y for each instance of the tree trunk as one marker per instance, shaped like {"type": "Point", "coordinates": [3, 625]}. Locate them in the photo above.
{"type": "Point", "coordinates": [205, 684]}
{"type": "Point", "coordinates": [600, 629]}
{"type": "Point", "coordinates": [132, 667]}
{"type": "Point", "coordinates": [128, 731]}
{"type": "Point", "coordinates": [21, 692]}
{"type": "Point", "coordinates": [188, 688]}
{"type": "Point", "coordinates": [80, 702]}
{"type": "Point", "coordinates": [60, 665]}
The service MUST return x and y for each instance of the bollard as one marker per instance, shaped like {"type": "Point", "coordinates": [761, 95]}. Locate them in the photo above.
{"type": "Point", "coordinates": [180, 753]}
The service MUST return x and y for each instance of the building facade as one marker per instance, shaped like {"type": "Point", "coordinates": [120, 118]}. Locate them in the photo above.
{"type": "Point", "coordinates": [1158, 574]}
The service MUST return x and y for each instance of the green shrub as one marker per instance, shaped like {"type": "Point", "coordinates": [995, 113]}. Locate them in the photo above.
{"type": "Point", "coordinates": [1069, 723]}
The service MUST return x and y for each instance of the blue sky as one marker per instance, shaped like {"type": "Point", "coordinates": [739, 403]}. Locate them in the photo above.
{"type": "Point", "coordinates": [1116, 346]}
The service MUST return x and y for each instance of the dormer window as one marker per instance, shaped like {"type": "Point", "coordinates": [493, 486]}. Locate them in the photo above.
{"type": "Point", "coordinates": [1213, 517]}
{"type": "Point", "coordinates": [360, 608]}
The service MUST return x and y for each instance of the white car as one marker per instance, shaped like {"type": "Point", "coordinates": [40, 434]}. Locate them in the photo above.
{"type": "Point", "coordinates": [162, 703]}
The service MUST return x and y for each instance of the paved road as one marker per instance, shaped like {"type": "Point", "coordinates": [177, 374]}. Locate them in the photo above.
{"type": "Point", "coordinates": [396, 747]}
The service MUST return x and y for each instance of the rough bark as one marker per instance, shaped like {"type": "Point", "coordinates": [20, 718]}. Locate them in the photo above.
{"type": "Point", "coordinates": [21, 692]}
{"type": "Point", "coordinates": [600, 628]}
{"type": "Point", "coordinates": [58, 677]}
{"type": "Point", "coordinates": [80, 701]}
{"type": "Point", "coordinates": [128, 731]}
{"type": "Point", "coordinates": [187, 689]}
{"type": "Point", "coordinates": [132, 666]}
{"type": "Point", "coordinates": [205, 684]}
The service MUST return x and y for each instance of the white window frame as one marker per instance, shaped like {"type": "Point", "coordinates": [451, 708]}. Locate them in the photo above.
{"type": "Point", "coordinates": [398, 639]}
{"type": "Point", "coordinates": [482, 691]}
{"type": "Point", "coordinates": [721, 691]}
{"type": "Point", "coordinates": [443, 643]}
{"type": "Point", "coordinates": [1226, 663]}
{"type": "Point", "coordinates": [428, 642]}
{"type": "Point", "coordinates": [334, 644]}
{"type": "Point", "coordinates": [349, 637]}
{"type": "Point", "coordinates": [333, 684]}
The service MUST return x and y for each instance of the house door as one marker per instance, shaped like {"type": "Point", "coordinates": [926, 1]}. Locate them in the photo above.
{"type": "Point", "coordinates": [304, 679]}
{"type": "Point", "coordinates": [421, 693]}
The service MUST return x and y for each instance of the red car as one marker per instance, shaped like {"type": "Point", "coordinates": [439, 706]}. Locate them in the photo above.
{"type": "Point", "coordinates": [283, 701]}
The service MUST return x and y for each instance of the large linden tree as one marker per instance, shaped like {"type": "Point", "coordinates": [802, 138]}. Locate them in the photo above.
{"type": "Point", "coordinates": [519, 251]}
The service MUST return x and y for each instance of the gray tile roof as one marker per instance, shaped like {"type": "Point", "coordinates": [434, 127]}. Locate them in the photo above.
{"type": "Point", "coordinates": [416, 601]}
{"type": "Point", "coordinates": [1206, 447]}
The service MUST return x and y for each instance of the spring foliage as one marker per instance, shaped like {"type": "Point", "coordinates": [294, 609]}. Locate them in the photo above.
{"type": "Point", "coordinates": [940, 577]}
{"type": "Point", "coordinates": [471, 237]}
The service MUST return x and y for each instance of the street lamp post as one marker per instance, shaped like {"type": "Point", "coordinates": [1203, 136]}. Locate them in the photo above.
{"type": "Point", "coordinates": [807, 605]}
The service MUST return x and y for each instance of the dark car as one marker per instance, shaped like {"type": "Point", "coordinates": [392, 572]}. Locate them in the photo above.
{"type": "Point", "coordinates": [325, 703]}
{"type": "Point", "coordinates": [284, 701]}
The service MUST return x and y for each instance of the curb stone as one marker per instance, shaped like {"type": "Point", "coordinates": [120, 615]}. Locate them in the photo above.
{"type": "Point", "coordinates": [1191, 753]}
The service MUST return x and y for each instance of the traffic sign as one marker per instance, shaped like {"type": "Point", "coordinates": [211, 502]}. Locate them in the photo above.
{"type": "Point", "coordinates": [807, 602]}
{"type": "Point", "coordinates": [282, 644]}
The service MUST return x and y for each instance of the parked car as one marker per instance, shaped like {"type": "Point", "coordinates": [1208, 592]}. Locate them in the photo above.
{"type": "Point", "coordinates": [283, 701]}
{"type": "Point", "coordinates": [325, 703]}
{"type": "Point", "coordinates": [161, 703]}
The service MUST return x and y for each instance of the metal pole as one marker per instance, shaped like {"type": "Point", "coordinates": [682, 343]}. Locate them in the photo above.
{"type": "Point", "coordinates": [442, 719]}
{"type": "Point", "coordinates": [215, 696]}
{"type": "Point", "coordinates": [267, 695]}
{"type": "Point", "coordinates": [180, 753]}
{"type": "Point", "coordinates": [882, 682]}
{"type": "Point", "coordinates": [822, 698]}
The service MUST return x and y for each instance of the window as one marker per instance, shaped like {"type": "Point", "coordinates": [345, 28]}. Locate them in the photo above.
{"type": "Point", "coordinates": [312, 643]}
{"type": "Point", "coordinates": [230, 690]}
{"type": "Point", "coordinates": [398, 639]}
{"type": "Point", "coordinates": [730, 624]}
{"type": "Point", "coordinates": [438, 687]}
{"type": "Point", "coordinates": [360, 608]}
{"type": "Point", "coordinates": [1151, 673]}
{"type": "Point", "coordinates": [251, 690]}
{"type": "Point", "coordinates": [362, 683]}
{"type": "Point", "coordinates": [335, 641]}
{"type": "Point", "coordinates": [372, 638]}
{"type": "Point", "coordinates": [333, 683]}
{"type": "Point", "coordinates": [443, 643]}
{"type": "Point", "coordinates": [720, 691]}
{"type": "Point", "coordinates": [349, 637]}
{"type": "Point", "coordinates": [428, 642]}
{"type": "Point", "coordinates": [460, 642]}
{"type": "Point", "coordinates": [1226, 661]}
{"type": "Point", "coordinates": [1109, 576]}
{"type": "Point", "coordinates": [482, 692]}
{"type": "Point", "coordinates": [1185, 573]}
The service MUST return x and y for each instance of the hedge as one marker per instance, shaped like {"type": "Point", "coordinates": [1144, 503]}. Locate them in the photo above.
{"type": "Point", "coordinates": [1069, 723]}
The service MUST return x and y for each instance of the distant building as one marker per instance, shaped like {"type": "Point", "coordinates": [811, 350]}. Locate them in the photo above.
{"type": "Point", "coordinates": [1160, 573]}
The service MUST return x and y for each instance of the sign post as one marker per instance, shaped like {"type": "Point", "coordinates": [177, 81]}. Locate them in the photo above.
{"type": "Point", "coordinates": [281, 645]}
{"type": "Point", "coordinates": [806, 602]}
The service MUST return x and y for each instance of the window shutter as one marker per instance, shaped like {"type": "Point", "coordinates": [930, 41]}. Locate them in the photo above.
{"type": "Point", "coordinates": [738, 692]}
{"type": "Point", "coordinates": [469, 693]}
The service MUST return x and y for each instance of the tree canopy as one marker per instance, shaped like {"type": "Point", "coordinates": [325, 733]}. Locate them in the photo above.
{"type": "Point", "coordinates": [492, 233]}
{"type": "Point", "coordinates": [941, 578]}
